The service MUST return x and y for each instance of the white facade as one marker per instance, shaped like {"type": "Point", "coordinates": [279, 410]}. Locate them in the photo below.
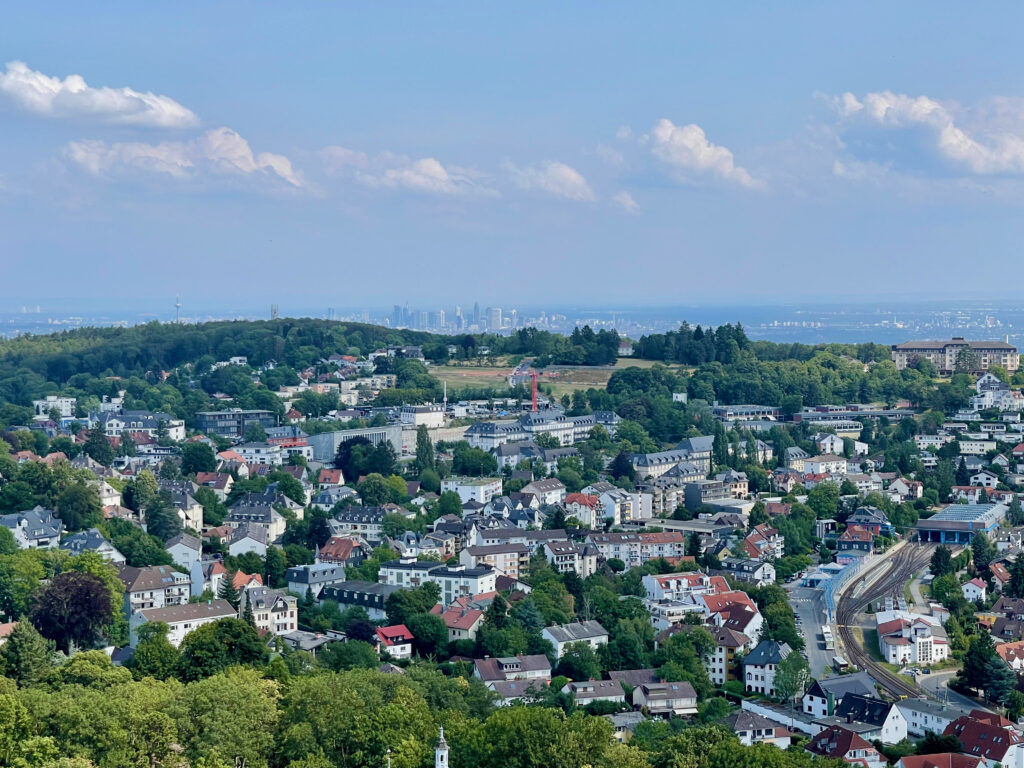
{"type": "Point", "coordinates": [481, 489]}
{"type": "Point", "coordinates": [63, 405]}
{"type": "Point", "coordinates": [429, 416]}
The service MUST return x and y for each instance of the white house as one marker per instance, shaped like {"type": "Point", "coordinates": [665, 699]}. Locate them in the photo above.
{"type": "Point", "coordinates": [273, 611]}
{"type": "Point", "coordinates": [760, 665]}
{"type": "Point", "coordinates": [478, 489]}
{"type": "Point", "coordinates": [562, 635]}
{"type": "Point", "coordinates": [185, 549]}
{"type": "Point", "coordinates": [182, 619]}
{"type": "Point", "coordinates": [974, 590]}
{"type": "Point", "coordinates": [923, 715]}
{"type": "Point", "coordinates": [825, 464]}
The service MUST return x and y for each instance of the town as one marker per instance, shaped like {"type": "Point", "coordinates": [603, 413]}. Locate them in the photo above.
{"type": "Point", "coordinates": [829, 577]}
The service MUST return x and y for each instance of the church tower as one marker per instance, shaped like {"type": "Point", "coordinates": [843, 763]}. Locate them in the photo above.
{"type": "Point", "coordinates": [441, 752]}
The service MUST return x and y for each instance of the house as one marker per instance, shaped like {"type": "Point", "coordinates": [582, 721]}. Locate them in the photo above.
{"type": "Point", "coordinates": [548, 491]}
{"type": "Point", "coordinates": [989, 737]}
{"type": "Point", "coordinates": [666, 699]}
{"type": "Point", "coordinates": [35, 528]}
{"type": "Point", "coordinates": [462, 621]}
{"type": "Point", "coordinates": [131, 422]}
{"type": "Point", "coordinates": [909, 638]}
{"type": "Point", "coordinates": [261, 515]}
{"type": "Point", "coordinates": [523, 667]}
{"type": "Point", "coordinates": [273, 611]}
{"type": "Point", "coordinates": [370, 596]}
{"type": "Point", "coordinates": [566, 556]}
{"type": "Point", "coordinates": [736, 482]}
{"type": "Point", "coordinates": [341, 550]}
{"type": "Point", "coordinates": [764, 543]}
{"type": "Point", "coordinates": [985, 479]}
{"type": "Point", "coordinates": [206, 576]}
{"type": "Point", "coordinates": [248, 538]}
{"type": "Point", "coordinates": [454, 581]}
{"type": "Point", "coordinates": [220, 483]}
{"type": "Point", "coordinates": [396, 640]}
{"type": "Point", "coordinates": [825, 464]}
{"type": "Point", "coordinates": [185, 549]}
{"type": "Point", "coordinates": [732, 610]}
{"type": "Point", "coordinates": [330, 478]}
{"type": "Point", "coordinates": [181, 619]}
{"type": "Point", "coordinates": [828, 443]}
{"type": "Point", "coordinates": [478, 489]}
{"type": "Point", "coordinates": [154, 586]}
{"type": "Point", "coordinates": [589, 691]}
{"type": "Point", "coordinates": [92, 540]}
{"type": "Point", "coordinates": [940, 760]}
{"type": "Point", "coordinates": [1000, 575]}
{"type": "Point", "coordinates": [923, 715]}
{"type": "Point", "coordinates": [870, 519]}
{"type": "Point", "coordinates": [721, 661]}
{"type": "Point", "coordinates": [760, 665]}
{"type": "Point", "coordinates": [624, 723]}
{"type": "Point", "coordinates": [357, 520]}
{"type": "Point", "coordinates": [974, 590]}
{"type": "Point", "coordinates": [822, 695]}
{"type": "Point", "coordinates": [1012, 654]}
{"type": "Point", "coordinates": [506, 559]}
{"type": "Point", "coordinates": [585, 508]}
{"type": "Point", "coordinates": [756, 572]}
{"type": "Point", "coordinates": [313, 578]}
{"type": "Point", "coordinates": [869, 717]}
{"type": "Point", "coordinates": [562, 635]}
{"type": "Point", "coordinates": [751, 728]}
{"type": "Point", "coordinates": [838, 743]}
{"type": "Point", "coordinates": [795, 458]}
{"type": "Point", "coordinates": [854, 542]}
{"type": "Point", "coordinates": [635, 549]}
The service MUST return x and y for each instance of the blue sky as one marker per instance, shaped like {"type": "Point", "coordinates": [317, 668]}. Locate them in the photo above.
{"type": "Point", "coordinates": [440, 152]}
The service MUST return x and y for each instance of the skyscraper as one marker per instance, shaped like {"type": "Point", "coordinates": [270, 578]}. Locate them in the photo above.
{"type": "Point", "coordinates": [493, 318]}
{"type": "Point", "coordinates": [476, 314]}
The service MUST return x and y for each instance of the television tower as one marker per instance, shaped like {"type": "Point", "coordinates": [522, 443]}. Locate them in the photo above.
{"type": "Point", "coordinates": [177, 309]}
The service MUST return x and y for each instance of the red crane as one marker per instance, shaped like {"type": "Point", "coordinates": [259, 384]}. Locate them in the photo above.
{"type": "Point", "coordinates": [533, 389]}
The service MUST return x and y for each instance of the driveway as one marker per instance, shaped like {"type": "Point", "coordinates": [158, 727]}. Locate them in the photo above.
{"type": "Point", "coordinates": [809, 606]}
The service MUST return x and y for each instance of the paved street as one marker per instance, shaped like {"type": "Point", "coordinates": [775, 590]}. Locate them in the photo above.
{"type": "Point", "coordinates": [936, 684]}
{"type": "Point", "coordinates": [809, 606]}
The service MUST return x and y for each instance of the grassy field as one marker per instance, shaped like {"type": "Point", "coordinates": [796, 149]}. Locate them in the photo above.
{"type": "Point", "coordinates": [562, 379]}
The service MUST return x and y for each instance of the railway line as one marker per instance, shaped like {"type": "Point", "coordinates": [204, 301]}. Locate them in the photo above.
{"type": "Point", "coordinates": [900, 569]}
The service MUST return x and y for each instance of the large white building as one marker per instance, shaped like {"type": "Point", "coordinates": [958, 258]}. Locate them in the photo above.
{"type": "Point", "coordinates": [910, 638]}
{"type": "Point", "coordinates": [943, 354]}
{"type": "Point", "coordinates": [182, 619]}
{"type": "Point", "coordinates": [479, 489]}
{"type": "Point", "coordinates": [429, 416]}
{"type": "Point", "coordinates": [454, 581]}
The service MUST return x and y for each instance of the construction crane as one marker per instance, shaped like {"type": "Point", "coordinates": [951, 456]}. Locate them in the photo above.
{"type": "Point", "coordinates": [533, 390]}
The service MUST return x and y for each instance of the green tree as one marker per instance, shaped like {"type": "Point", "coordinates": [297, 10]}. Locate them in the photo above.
{"type": "Point", "coordinates": [402, 605]}
{"type": "Point", "coordinates": [162, 519]}
{"type": "Point", "coordinates": [982, 550]}
{"type": "Point", "coordinates": [79, 507]}
{"type": "Point", "coordinates": [354, 654]}
{"type": "Point", "coordinates": [26, 655]}
{"type": "Point", "coordinates": [450, 503]}
{"type": "Point", "coordinates": [255, 433]}
{"type": "Point", "coordinates": [73, 610]}
{"type": "Point", "coordinates": [791, 677]}
{"type": "Point", "coordinates": [228, 591]}
{"type": "Point", "coordinates": [579, 662]}
{"type": "Point", "coordinates": [214, 647]}
{"type": "Point", "coordinates": [197, 457]}
{"type": "Point", "coordinates": [154, 655]}
{"type": "Point", "coordinates": [824, 500]}
{"type": "Point", "coordinates": [98, 447]}
{"type": "Point", "coordinates": [1014, 513]}
{"type": "Point", "coordinates": [430, 635]}
{"type": "Point", "coordinates": [941, 562]}
{"type": "Point", "coordinates": [424, 450]}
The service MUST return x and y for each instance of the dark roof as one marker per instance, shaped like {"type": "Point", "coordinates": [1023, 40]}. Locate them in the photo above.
{"type": "Point", "coordinates": [840, 685]}
{"type": "Point", "coordinates": [635, 677]}
{"type": "Point", "coordinates": [865, 709]}
{"type": "Point", "coordinates": [768, 652]}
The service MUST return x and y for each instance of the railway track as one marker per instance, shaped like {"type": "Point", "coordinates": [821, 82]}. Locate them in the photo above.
{"type": "Point", "coordinates": [900, 569]}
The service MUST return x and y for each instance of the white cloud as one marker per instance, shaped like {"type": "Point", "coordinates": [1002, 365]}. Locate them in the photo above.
{"type": "Point", "coordinates": [1002, 152]}
{"type": "Point", "coordinates": [686, 149]}
{"type": "Point", "coordinates": [72, 97]}
{"type": "Point", "coordinates": [626, 201]}
{"type": "Point", "coordinates": [391, 171]}
{"type": "Point", "coordinates": [219, 152]}
{"type": "Point", "coordinates": [555, 178]}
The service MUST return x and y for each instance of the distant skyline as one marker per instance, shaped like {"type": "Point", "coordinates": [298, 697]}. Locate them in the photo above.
{"type": "Point", "coordinates": [584, 154]}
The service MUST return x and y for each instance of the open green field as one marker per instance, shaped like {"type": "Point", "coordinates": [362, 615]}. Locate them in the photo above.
{"type": "Point", "coordinates": [563, 379]}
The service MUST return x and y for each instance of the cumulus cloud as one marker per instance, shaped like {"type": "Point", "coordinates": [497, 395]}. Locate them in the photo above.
{"type": "Point", "coordinates": [555, 178]}
{"type": "Point", "coordinates": [218, 152]}
{"type": "Point", "coordinates": [687, 150]}
{"type": "Point", "coordinates": [997, 153]}
{"type": "Point", "coordinates": [391, 171]}
{"type": "Point", "coordinates": [626, 201]}
{"type": "Point", "coordinates": [72, 97]}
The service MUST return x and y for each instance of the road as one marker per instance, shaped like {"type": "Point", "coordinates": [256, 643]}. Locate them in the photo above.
{"type": "Point", "coordinates": [809, 606]}
{"type": "Point", "coordinates": [937, 684]}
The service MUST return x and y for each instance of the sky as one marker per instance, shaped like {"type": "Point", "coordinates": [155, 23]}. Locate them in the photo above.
{"type": "Point", "coordinates": [432, 153]}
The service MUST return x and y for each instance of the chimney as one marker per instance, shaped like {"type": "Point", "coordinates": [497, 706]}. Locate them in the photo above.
{"type": "Point", "coordinates": [849, 717]}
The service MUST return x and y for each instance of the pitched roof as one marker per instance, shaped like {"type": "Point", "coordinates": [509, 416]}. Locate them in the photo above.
{"type": "Point", "coordinates": [864, 709]}
{"type": "Point", "coordinates": [983, 734]}
{"type": "Point", "coordinates": [836, 742]}
{"type": "Point", "coordinates": [491, 669]}
{"type": "Point", "coordinates": [576, 631]}
{"type": "Point", "coordinates": [768, 652]}
{"type": "Point", "coordinates": [215, 609]}
{"type": "Point", "coordinates": [152, 577]}
{"type": "Point", "coordinates": [840, 685]}
{"type": "Point", "coordinates": [941, 760]}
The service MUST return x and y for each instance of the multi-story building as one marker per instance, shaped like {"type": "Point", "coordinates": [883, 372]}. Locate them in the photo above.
{"type": "Point", "coordinates": [945, 354]}
{"type": "Point", "coordinates": [181, 618]}
{"type": "Point", "coordinates": [273, 611]}
{"type": "Point", "coordinates": [126, 422]}
{"type": "Point", "coordinates": [154, 586]}
{"type": "Point", "coordinates": [635, 549]}
{"type": "Point", "coordinates": [761, 664]}
{"type": "Point", "coordinates": [478, 489]}
{"type": "Point", "coordinates": [454, 581]}
{"type": "Point", "coordinates": [429, 416]}
{"type": "Point", "coordinates": [511, 560]}
{"type": "Point", "coordinates": [233, 422]}
{"type": "Point", "coordinates": [65, 406]}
